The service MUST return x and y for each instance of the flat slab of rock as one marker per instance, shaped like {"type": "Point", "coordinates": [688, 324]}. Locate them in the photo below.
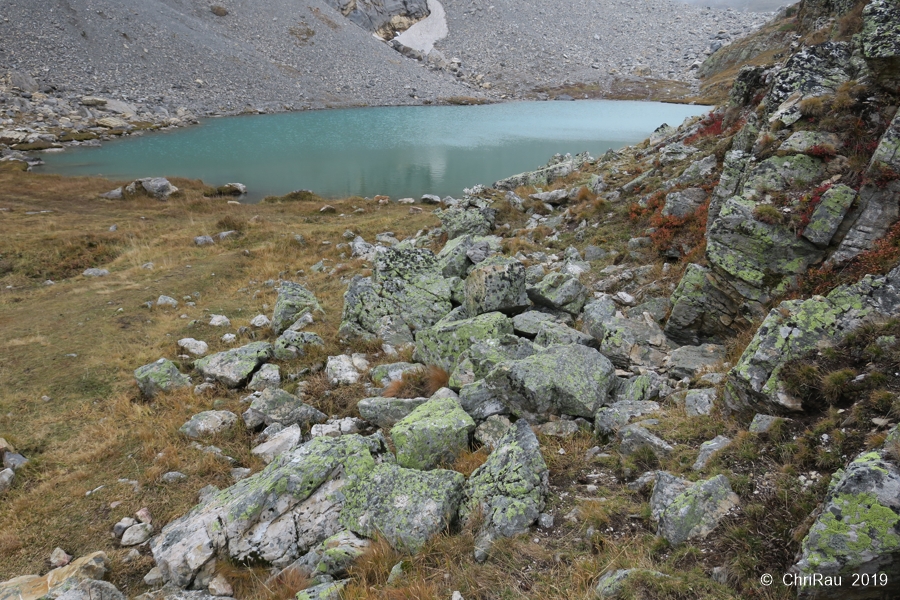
{"type": "Point", "coordinates": [233, 368]}
{"type": "Point", "coordinates": [33, 587]}
{"type": "Point", "coordinates": [435, 433]}
{"type": "Point", "coordinates": [688, 361]}
{"type": "Point", "coordinates": [406, 506]}
{"type": "Point", "coordinates": [609, 419]}
{"type": "Point", "coordinates": [293, 299]}
{"type": "Point", "coordinates": [709, 449]}
{"type": "Point", "coordinates": [284, 441]}
{"type": "Point", "coordinates": [496, 284]}
{"type": "Point", "coordinates": [634, 437]}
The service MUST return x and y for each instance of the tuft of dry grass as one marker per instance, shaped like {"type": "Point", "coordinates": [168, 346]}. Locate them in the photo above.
{"type": "Point", "coordinates": [418, 383]}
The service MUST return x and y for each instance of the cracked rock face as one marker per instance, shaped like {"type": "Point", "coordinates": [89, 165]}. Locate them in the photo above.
{"type": "Point", "coordinates": [276, 515]}
{"type": "Point", "coordinates": [508, 490]}
{"type": "Point", "coordinates": [160, 376]}
{"type": "Point", "coordinates": [292, 301]}
{"type": "Point", "coordinates": [233, 368]}
{"type": "Point", "coordinates": [435, 433]}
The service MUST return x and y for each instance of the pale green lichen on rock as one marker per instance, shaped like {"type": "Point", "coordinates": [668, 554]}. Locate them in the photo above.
{"type": "Point", "coordinates": [160, 376]}
{"type": "Point", "coordinates": [443, 343]}
{"type": "Point", "coordinates": [293, 299]}
{"type": "Point", "coordinates": [435, 433]}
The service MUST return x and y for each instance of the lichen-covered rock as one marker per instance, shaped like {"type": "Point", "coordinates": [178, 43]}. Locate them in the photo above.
{"type": "Point", "coordinates": [291, 344]}
{"type": "Point", "coordinates": [386, 412]}
{"type": "Point", "coordinates": [876, 209]}
{"type": "Point", "coordinates": [757, 255]}
{"type": "Point", "coordinates": [508, 490]}
{"type": "Point", "coordinates": [573, 380]}
{"type": "Point", "coordinates": [666, 487]}
{"type": "Point", "coordinates": [704, 307]}
{"type": "Point", "coordinates": [736, 162]}
{"type": "Point", "coordinates": [858, 530]}
{"type": "Point", "coordinates": [293, 300]}
{"type": "Point", "coordinates": [87, 589]}
{"type": "Point", "coordinates": [476, 362]}
{"type": "Point", "coordinates": [829, 214]}
{"type": "Point", "coordinates": [496, 284]}
{"type": "Point", "coordinates": [696, 402]}
{"type": "Point", "coordinates": [880, 39]}
{"type": "Point", "coordinates": [694, 513]}
{"type": "Point", "coordinates": [405, 282]}
{"type": "Point", "coordinates": [635, 437]}
{"type": "Point", "coordinates": [443, 343]}
{"type": "Point", "coordinates": [610, 419]}
{"type": "Point", "coordinates": [330, 559]}
{"type": "Point", "coordinates": [279, 443]}
{"type": "Point", "coordinates": [461, 221]}
{"type": "Point", "coordinates": [324, 591]}
{"type": "Point", "coordinates": [435, 433]}
{"type": "Point", "coordinates": [160, 376]}
{"type": "Point", "coordinates": [267, 376]}
{"type": "Point", "coordinates": [688, 361]}
{"type": "Point", "coordinates": [209, 422]}
{"type": "Point", "coordinates": [528, 324]}
{"type": "Point", "coordinates": [561, 291]}
{"type": "Point", "coordinates": [405, 506]}
{"type": "Point", "coordinates": [275, 516]}
{"type": "Point", "coordinates": [709, 449]}
{"type": "Point", "coordinates": [552, 333]}
{"type": "Point", "coordinates": [279, 406]}
{"type": "Point", "coordinates": [626, 342]}
{"type": "Point", "coordinates": [611, 586]}
{"type": "Point", "coordinates": [233, 368]}
{"type": "Point", "coordinates": [640, 388]}
{"type": "Point", "coordinates": [683, 203]}
{"type": "Point", "coordinates": [796, 327]}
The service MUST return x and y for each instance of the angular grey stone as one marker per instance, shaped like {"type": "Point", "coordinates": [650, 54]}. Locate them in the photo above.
{"type": "Point", "coordinates": [666, 487]}
{"type": "Point", "coordinates": [292, 344]}
{"type": "Point", "coordinates": [88, 589]}
{"type": "Point", "coordinates": [610, 419]}
{"type": "Point", "coordinates": [435, 433]}
{"type": "Point", "coordinates": [709, 449]}
{"type": "Point", "coordinates": [492, 430]}
{"type": "Point", "coordinates": [465, 221]}
{"type": "Point", "coordinates": [829, 214]}
{"type": "Point", "coordinates": [634, 437]}
{"type": "Point", "coordinates": [7, 476]}
{"type": "Point", "coordinates": [95, 272]}
{"type": "Point", "coordinates": [405, 506]}
{"type": "Point", "coordinates": [552, 333]}
{"type": "Point", "coordinates": [158, 187]}
{"type": "Point", "coordinates": [528, 324]}
{"type": "Point", "coordinates": [689, 361]}
{"type": "Point", "coordinates": [204, 240]}
{"type": "Point", "coordinates": [293, 300]}
{"type": "Point", "coordinates": [278, 442]}
{"type": "Point", "coordinates": [208, 423]}
{"type": "Point", "coordinates": [496, 284]}
{"type": "Point", "coordinates": [683, 203]}
{"type": "Point", "coordinates": [195, 347]}
{"type": "Point", "coordinates": [443, 343]}
{"type": "Point", "coordinates": [561, 291]}
{"type": "Point", "coordinates": [330, 559]}
{"type": "Point", "coordinates": [279, 406]}
{"type": "Point", "coordinates": [508, 491]}
{"type": "Point", "coordinates": [137, 534]}
{"type": "Point", "coordinates": [694, 513]}
{"type": "Point", "coordinates": [559, 428]}
{"type": "Point", "coordinates": [696, 402]}
{"type": "Point", "coordinates": [384, 374]}
{"type": "Point", "coordinates": [763, 423]}
{"type": "Point", "coordinates": [233, 368]}
{"type": "Point", "coordinates": [573, 380]}
{"type": "Point", "coordinates": [386, 412]}
{"type": "Point", "coordinates": [160, 376]}
{"type": "Point", "coordinates": [267, 377]}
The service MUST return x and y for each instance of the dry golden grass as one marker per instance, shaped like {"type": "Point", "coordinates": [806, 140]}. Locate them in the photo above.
{"type": "Point", "coordinates": [419, 383]}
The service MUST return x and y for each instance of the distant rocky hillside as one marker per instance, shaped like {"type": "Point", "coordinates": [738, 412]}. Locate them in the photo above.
{"type": "Point", "coordinates": [234, 55]}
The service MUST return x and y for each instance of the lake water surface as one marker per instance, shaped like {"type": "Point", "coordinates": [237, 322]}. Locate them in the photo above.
{"type": "Point", "coordinates": [397, 151]}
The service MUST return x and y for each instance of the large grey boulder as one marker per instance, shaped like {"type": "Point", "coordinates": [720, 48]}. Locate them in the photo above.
{"type": "Point", "coordinates": [292, 344]}
{"type": "Point", "coordinates": [208, 423]}
{"type": "Point", "coordinates": [404, 282]}
{"type": "Point", "coordinates": [160, 376]}
{"type": "Point", "coordinates": [573, 380]}
{"type": "Point", "coordinates": [858, 530]}
{"type": "Point", "coordinates": [233, 368]}
{"type": "Point", "coordinates": [625, 341]}
{"type": "Point", "coordinates": [796, 327]}
{"type": "Point", "coordinates": [482, 356]}
{"type": "Point", "coordinates": [158, 187]}
{"type": "Point", "coordinates": [683, 203]}
{"type": "Point", "coordinates": [405, 506]}
{"type": "Point", "coordinates": [635, 437]}
{"type": "Point", "coordinates": [560, 291]}
{"type": "Point", "coordinates": [696, 512]}
{"type": "Point", "coordinates": [443, 343]}
{"type": "Point", "coordinates": [293, 300]}
{"type": "Point", "coordinates": [552, 333]}
{"type": "Point", "coordinates": [704, 308]}
{"type": "Point", "coordinates": [435, 433]}
{"type": "Point", "coordinates": [496, 284]}
{"type": "Point", "coordinates": [559, 166]}
{"type": "Point", "coordinates": [274, 516]}
{"type": "Point", "coordinates": [689, 361]}
{"type": "Point", "coordinates": [279, 406]}
{"type": "Point", "coordinates": [880, 45]}
{"type": "Point", "coordinates": [88, 589]}
{"type": "Point", "coordinates": [508, 490]}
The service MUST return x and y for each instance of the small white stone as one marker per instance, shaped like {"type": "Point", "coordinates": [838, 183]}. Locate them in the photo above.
{"type": "Point", "coordinates": [219, 321]}
{"type": "Point", "coordinates": [229, 338]}
{"type": "Point", "coordinates": [260, 321]}
{"type": "Point", "coordinates": [219, 586]}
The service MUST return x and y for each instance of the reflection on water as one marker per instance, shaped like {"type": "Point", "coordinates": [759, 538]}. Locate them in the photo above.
{"type": "Point", "coordinates": [397, 151]}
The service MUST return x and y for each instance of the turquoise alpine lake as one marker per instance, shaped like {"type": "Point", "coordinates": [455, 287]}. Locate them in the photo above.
{"type": "Point", "coordinates": [403, 151]}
